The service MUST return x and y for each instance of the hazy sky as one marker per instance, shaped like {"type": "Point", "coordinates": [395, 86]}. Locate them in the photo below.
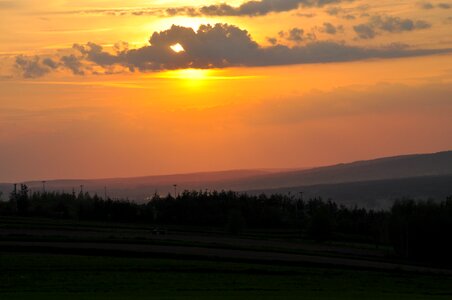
{"type": "Point", "coordinates": [93, 88]}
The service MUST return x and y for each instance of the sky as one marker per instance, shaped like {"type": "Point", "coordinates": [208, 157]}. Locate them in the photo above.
{"type": "Point", "coordinates": [99, 89]}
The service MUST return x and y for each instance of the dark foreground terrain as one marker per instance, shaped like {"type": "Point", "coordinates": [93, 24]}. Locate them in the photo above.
{"type": "Point", "coordinates": [57, 259]}
{"type": "Point", "coordinates": [43, 276]}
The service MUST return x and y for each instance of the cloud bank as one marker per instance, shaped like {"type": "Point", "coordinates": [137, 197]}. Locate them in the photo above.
{"type": "Point", "coordinates": [217, 46]}
{"type": "Point", "coordinates": [379, 24]}
{"type": "Point", "coordinates": [250, 8]}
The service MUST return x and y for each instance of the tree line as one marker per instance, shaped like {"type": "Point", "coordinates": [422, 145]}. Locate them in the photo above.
{"type": "Point", "coordinates": [418, 230]}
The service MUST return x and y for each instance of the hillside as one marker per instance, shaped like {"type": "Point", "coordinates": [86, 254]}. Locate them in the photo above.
{"type": "Point", "coordinates": [418, 169]}
{"type": "Point", "coordinates": [373, 194]}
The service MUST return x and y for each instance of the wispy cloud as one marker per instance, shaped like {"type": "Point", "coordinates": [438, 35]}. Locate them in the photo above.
{"type": "Point", "coordinates": [118, 12]}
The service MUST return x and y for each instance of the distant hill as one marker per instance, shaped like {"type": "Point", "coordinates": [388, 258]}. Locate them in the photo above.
{"type": "Point", "coordinates": [383, 168]}
{"type": "Point", "coordinates": [372, 194]}
{"type": "Point", "coordinates": [364, 177]}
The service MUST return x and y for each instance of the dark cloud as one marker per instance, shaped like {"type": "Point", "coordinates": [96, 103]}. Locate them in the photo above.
{"type": "Point", "coordinates": [217, 46]}
{"type": "Point", "coordinates": [50, 63]}
{"type": "Point", "coordinates": [96, 54]}
{"type": "Point", "coordinates": [349, 17]}
{"type": "Point", "coordinates": [251, 8]}
{"type": "Point", "coordinates": [32, 67]}
{"type": "Point", "coordinates": [73, 63]}
{"type": "Point", "coordinates": [272, 40]}
{"type": "Point", "coordinates": [225, 45]}
{"type": "Point", "coordinates": [340, 12]}
{"type": "Point", "coordinates": [190, 11]}
{"type": "Point", "coordinates": [428, 5]}
{"type": "Point", "coordinates": [296, 35]}
{"type": "Point", "coordinates": [378, 24]}
{"type": "Point", "coordinates": [331, 29]}
{"type": "Point", "coordinates": [444, 5]}
{"type": "Point", "coordinates": [334, 11]}
{"type": "Point", "coordinates": [221, 45]}
{"type": "Point", "coordinates": [365, 31]}
{"type": "Point", "coordinates": [396, 24]}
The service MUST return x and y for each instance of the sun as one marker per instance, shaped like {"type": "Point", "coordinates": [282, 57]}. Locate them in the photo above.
{"type": "Point", "coordinates": [177, 48]}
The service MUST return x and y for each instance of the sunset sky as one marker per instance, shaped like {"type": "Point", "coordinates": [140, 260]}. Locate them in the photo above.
{"type": "Point", "coordinates": [97, 88]}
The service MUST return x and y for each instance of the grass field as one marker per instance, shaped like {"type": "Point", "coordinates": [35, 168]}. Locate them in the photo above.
{"type": "Point", "coordinates": [44, 276]}
{"type": "Point", "coordinates": [91, 268]}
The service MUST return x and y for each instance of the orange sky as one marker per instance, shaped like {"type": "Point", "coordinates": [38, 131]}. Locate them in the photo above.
{"type": "Point", "coordinates": [380, 85]}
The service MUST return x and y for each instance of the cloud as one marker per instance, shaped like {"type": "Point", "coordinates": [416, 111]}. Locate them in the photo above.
{"type": "Point", "coordinates": [73, 63]}
{"type": "Point", "coordinates": [296, 35]}
{"type": "Point", "coordinates": [331, 29]}
{"type": "Point", "coordinates": [190, 11]}
{"type": "Point", "coordinates": [342, 13]}
{"type": "Point", "coordinates": [444, 5]}
{"type": "Point", "coordinates": [33, 67]}
{"type": "Point", "coordinates": [396, 24]}
{"type": "Point", "coordinates": [272, 40]}
{"type": "Point", "coordinates": [217, 46]}
{"type": "Point", "coordinates": [428, 5]}
{"type": "Point", "coordinates": [378, 24]}
{"type": "Point", "coordinates": [334, 11]}
{"type": "Point", "coordinates": [251, 8]}
{"type": "Point", "coordinates": [96, 54]}
{"type": "Point", "coordinates": [349, 17]}
{"type": "Point", "coordinates": [50, 63]}
{"type": "Point", "coordinates": [365, 31]}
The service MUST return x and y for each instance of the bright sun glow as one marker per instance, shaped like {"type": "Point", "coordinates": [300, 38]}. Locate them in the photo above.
{"type": "Point", "coordinates": [193, 74]}
{"type": "Point", "coordinates": [177, 48]}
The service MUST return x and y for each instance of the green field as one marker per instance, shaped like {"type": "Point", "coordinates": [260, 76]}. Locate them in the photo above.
{"type": "Point", "coordinates": [43, 276]}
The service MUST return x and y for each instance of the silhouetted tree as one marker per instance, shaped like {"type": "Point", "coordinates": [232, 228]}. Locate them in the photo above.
{"type": "Point", "coordinates": [421, 230]}
{"type": "Point", "coordinates": [417, 230]}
